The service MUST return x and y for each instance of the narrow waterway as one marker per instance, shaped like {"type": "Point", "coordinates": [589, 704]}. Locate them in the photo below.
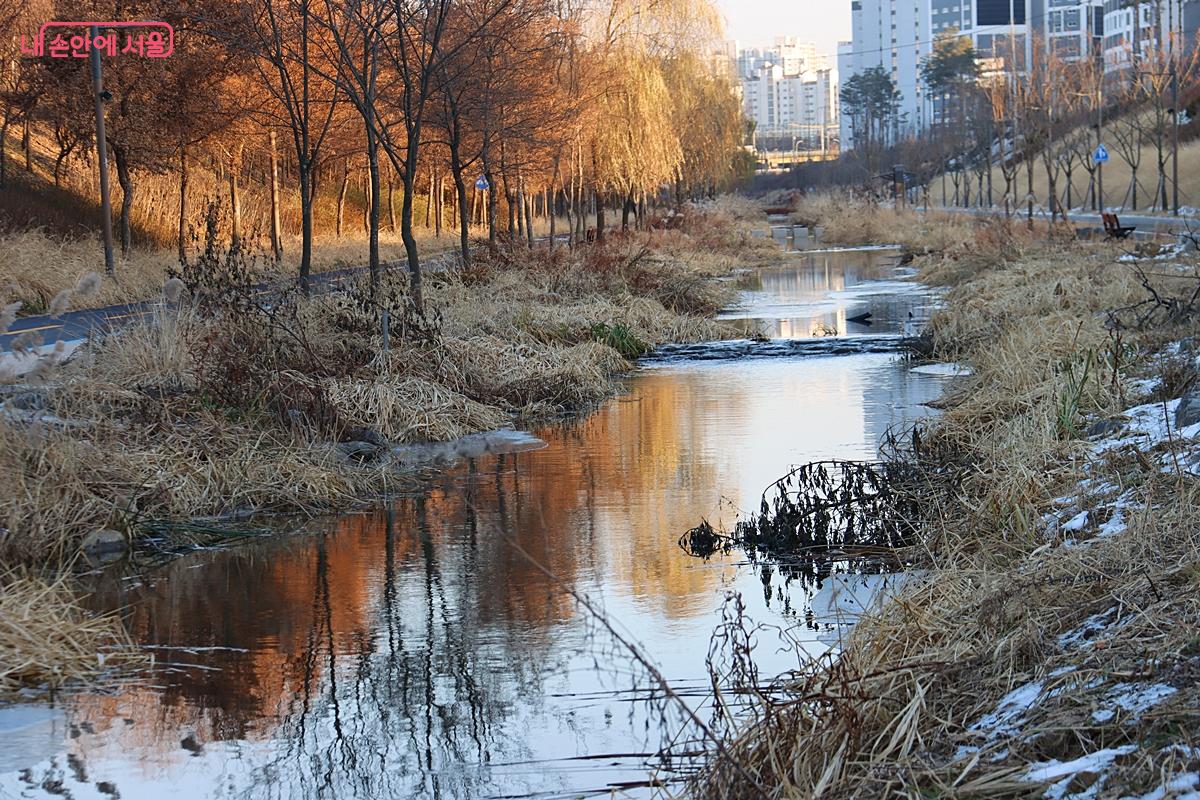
{"type": "Point", "coordinates": [437, 647]}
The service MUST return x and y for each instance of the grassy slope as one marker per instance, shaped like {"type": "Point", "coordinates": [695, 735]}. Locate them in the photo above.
{"type": "Point", "coordinates": [1006, 604]}
{"type": "Point", "coordinates": [1117, 181]}
{"type": "Point", "coordinates": [48, 233]}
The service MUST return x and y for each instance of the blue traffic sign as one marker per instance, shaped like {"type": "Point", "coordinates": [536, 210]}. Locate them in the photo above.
{"type": "Point", "coordinates": [1101, 154]}
{"type": "Point", "coordinates": [482, 183]}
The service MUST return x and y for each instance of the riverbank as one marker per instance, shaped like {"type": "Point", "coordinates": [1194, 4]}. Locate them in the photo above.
{"type": "Point", "coordinates": [1046, 639]}
{"type": "Point", "coordinates": [228, 402]}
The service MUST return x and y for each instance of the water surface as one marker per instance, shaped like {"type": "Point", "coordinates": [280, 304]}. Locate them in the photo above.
{"type": "Point", "coordinates": [819, 294]}
{"type": "Point", "coordinates": [437, 646]}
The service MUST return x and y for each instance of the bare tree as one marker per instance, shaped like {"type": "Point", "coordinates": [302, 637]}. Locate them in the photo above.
{"type": "Point", "coordinates": [282, 39]}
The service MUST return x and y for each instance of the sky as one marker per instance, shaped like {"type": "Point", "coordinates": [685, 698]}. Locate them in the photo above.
{"type": "Point", "coordinates": [758, 22]}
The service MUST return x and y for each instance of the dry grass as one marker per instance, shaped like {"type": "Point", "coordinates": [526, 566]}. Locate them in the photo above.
{"type": "Point", "coordinates": [35, 266]}
{"type": "Point", "coordinates": [203, 411]}
{"type": "Point", "coordinates": [887, 714]}
{"type": "Point", "coordinates": [851, 221]}
{"type": "Point", "coordinates": [47, 640]}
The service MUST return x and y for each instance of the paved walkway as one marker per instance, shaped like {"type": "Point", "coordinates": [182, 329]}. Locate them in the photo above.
{"type": "Point", "coordinates": [74, 327]}
{"type": "Point", "coordinates": [1147, 224]}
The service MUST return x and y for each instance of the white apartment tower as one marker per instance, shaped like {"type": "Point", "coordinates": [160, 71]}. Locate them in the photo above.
{"type": "Point", "coordinates": [1154, 21]}
{"type": "Point", "coordinates": [894, 35]}
{"type": "Point", "coordinates": [790, 92]}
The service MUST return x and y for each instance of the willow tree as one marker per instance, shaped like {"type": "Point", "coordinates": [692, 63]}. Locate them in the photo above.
{"type": "Point", "coordinates": [639, 147]}
{"type": "Point", "coordinates": [708, 122]}
{"type": "Point", "coordinates": [633, 144]}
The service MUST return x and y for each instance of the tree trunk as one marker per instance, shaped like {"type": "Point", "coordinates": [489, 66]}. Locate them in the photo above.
{"type": "Point", "coordinates": [406, 231]}
{"type": "Point", "coordinates": [304, 168]}
{"type": "Point", "coordinates": [125, 179]}
{"type": "Point", "coordinates": [366, 208]}
{"type": "Point", "coordinates": [276, 232]}
{"type": "Point", "coordinates": [1029, 187]}
{"type": "Point", "coordinates": [373, 264]}
{"type": "Point", "coordinates": [27, 143]}
{"type": "Point", "coordinates": [181, 231]}
{"type": "Point", "coordinates": [522, 217]}
{"type": "Point", "coordinates": [490, 195]}
{"type": "Point", "coordinates": [464, 214]}
{"type": "Point", "coordinates": [567, 206]}
{"type": "Point", "coordinates": [4, 151]}
{"type": "Point", "coordinates": [235, 199]}
{"type": "Point", "coordinates": [599, 217]}
{"type": "Point", "coordinates": [528, 215]}
{"type": "Point", "coordinates": [437, 205]}
{"type": "Point", "coordinates": [429, 203]}
{"type": "Point", "coordinates": [341, 201]}
{"type": "Point", "coordinates": [391, 201]}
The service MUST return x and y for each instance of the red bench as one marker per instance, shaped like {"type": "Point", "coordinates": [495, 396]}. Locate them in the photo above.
{"type": "Point", "coordinates": [1113, 228]}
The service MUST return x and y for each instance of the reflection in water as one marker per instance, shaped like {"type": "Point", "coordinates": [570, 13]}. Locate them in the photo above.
{"type": "Point", "coordinates": [416, 651]}
{"type": "Point", "coordinates": [817, 294]}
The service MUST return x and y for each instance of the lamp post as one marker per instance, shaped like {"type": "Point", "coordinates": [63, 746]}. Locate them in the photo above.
{"type": "Point", "coordinates": [1174, 138]}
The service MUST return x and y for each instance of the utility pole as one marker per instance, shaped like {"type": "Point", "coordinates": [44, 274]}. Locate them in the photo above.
{"type": "Point", "coordinates": [1174, 137]}
{"type": "Point", "coordinates": [102, 153]}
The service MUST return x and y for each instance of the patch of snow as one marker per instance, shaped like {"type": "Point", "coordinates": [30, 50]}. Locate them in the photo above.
{"type": "Point", "coordinates": [1083, 636]}
{"type": "Point", "coordinates": [1077, 522]}
{"type": "Point", "coordinates": [1171, 252]}
{"type": "Point", "coordinates": [1005, 720]}
{"type": "Point", "coordinates": [1116, 523]}
{"type": "Point", "coordinates": [1148, 425]}
{"type": "Point", "coordinates": [1132, 698]}
{"type": "Point", "coordinates": [1184, 782]}
{"type": "Point", "coordinates": [1143, 386]}
{"type": "Point", "coordinates": [1055, 770]}
{"type": "Point", "coordinates": [944, 370]}
{"type": "Point", "coordinates": [15, 365]}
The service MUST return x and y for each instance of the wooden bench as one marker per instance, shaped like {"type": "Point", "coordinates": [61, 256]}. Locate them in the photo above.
{"type": "Point", "coordinates": [1113, 228]}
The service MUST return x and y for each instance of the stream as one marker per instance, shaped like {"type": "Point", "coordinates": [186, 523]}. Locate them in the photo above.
{"type": "Point", "coordinates": [437, 646]}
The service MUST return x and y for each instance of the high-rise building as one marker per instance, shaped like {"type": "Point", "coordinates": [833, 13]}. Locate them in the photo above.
{"type": "Point", "coordinates": [790, 92]}
{"type": "Point", "coordinates": [894, 35]}
{"type": "Point", "coordinates": [948, 15]}
{"type": "Point", "coordinates": [1074, 29]}
{"type": "Point", "coordinates": [1009, 30]}
{"type": "Point", "coordinates": [1152, 24]}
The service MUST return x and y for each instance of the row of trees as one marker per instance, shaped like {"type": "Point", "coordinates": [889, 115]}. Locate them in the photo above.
{"type": "Point", "coordinates": [580, 103]}
{"type": "Point", "coordinates": [997, 134]}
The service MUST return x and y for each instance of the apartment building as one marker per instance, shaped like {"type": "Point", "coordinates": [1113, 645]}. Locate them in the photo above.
{"type": "Point", "coordinates": [1135, 29]}
{"type": "Point", "coordinates": [895, 35]}
{"type": "Point", "coordinates": [791, 93]}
